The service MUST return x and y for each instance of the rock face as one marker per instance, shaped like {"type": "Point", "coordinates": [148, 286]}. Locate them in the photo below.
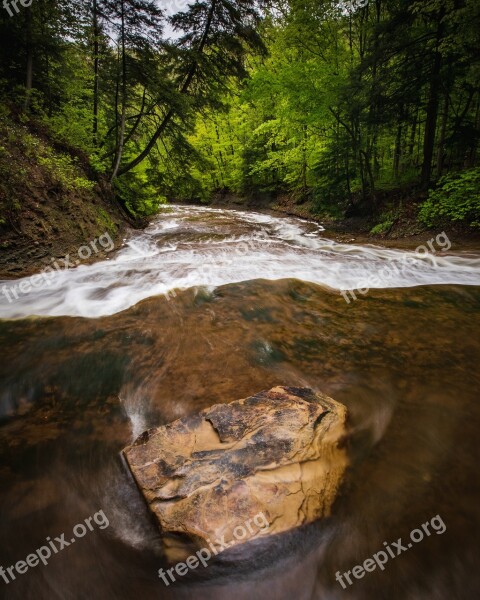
{"type": "Point", "coordinates": [209, 476]}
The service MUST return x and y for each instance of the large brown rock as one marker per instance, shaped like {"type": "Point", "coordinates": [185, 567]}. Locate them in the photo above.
{"type": "Point", "coordinates": [276, 453]}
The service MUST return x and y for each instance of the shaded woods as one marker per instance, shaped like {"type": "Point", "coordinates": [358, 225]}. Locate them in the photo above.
{"type": "Point", "coordinates": [332, 102]}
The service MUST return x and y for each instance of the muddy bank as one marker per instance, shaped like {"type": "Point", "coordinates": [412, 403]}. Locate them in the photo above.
{"type": "Point", "coordinates": [82, 241]}
{"type": "Point", "coordinates": [52, 203]}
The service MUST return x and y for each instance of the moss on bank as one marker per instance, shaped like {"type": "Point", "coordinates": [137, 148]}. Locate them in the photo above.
{"type": "Point", "coordinates": [51, 200]}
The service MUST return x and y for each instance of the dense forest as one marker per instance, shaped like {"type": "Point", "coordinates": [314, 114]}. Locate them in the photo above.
{"type": "Point", "coordinates": [239, 274]}
{"type": "Point", "coordinates": [339, 104]}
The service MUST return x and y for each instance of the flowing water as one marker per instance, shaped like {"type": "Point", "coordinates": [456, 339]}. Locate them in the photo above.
{"type": "Point", "coordinates": [208, 306]}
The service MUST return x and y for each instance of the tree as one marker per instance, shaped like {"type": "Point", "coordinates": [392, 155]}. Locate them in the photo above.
{"type": "Point", "coordinates": [216, 37]}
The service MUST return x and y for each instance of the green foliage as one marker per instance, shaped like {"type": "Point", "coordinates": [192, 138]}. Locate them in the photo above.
{"type": "Point", "coordinates": [26, 159]}
{"type": "Point", "coordinates": [336, 111]}
{"type": "Point", "coordinates": [456, 198]}
{"type": "Point", "coordinates": [382, 227]}
{"type": "Point", "coordinates": [139, 196]}
{"type": "Point", "coordinates": [342, 104]}
{"type": "Point", "coordinates": [73, 126]}
{"type": "Point", "coordinates": [10, 179]}
{"type": "Point", "coordinates": [62, 168]}
{"type": "Point", "coordinates": [105, 222]}
{"type": "Point", "coordinates": [98, 163]}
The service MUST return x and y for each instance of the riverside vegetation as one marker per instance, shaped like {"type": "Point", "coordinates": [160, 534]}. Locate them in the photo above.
{"type": "Point", "coordinates": [326, 108]}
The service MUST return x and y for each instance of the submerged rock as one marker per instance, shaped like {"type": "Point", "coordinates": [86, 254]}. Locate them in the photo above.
{"type": "Point", "coordinates": [233, 472]}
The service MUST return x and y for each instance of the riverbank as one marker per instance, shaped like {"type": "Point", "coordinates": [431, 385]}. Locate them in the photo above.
{"type": "Point", "coordinates": [189, 247]}
{"type": "Point", "coordinates": [402, 230]}
{"type": "Point", "coordinates": [52, 202]}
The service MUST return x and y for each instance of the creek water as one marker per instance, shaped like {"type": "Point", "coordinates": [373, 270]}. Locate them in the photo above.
{"type": "Point", "coordinates": [210, 305]}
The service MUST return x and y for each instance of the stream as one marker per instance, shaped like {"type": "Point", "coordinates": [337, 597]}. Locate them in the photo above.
{"type": "Point", "coordinates": [211, 305]}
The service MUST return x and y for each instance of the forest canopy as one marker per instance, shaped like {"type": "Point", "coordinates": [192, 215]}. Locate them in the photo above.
{"type": "Point", "coordinates": [336, 102]}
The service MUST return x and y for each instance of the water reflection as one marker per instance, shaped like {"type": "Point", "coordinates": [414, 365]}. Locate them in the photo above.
{"type": "Point", "coordinates": [75, 391]}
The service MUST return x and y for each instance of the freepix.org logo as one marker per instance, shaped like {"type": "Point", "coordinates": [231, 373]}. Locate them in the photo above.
{"type": "Point", "coordinates": [11, 6]}
{"type": "Point", "coordinates": [44, 553]}
{"type": "Point", "coordinates": [47, 276]}
{"type": "Point", "coordinates": [258, 525]}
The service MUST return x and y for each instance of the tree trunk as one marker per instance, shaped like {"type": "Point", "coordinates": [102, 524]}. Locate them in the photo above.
{"type": "Point", "coordinates": [29, 73]}
{"type": "Point", "coordinates": [397, 153]}
{"type": "Point", "coordinates": [96, 34]}
{"type": "Point", "coordinates": [473, 154]}
{"type": "Point", "coordinates": [413, 134]}
{"type": "Point", "coordinates": [121, 140]}
{"type": "Point", "coordinates": [441, 141]}
{"type": "Point", "coordinates": [304, 158]}
{"type": "Point", "coordinates": [432, 107]}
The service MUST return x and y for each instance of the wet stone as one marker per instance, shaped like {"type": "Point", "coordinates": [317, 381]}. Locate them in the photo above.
{"type": "Point", "coordinates": [277, 454]}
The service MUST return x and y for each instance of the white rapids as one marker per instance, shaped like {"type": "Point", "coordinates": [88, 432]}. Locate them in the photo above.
{"type": "Point", "coordinates": [187, 247]}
